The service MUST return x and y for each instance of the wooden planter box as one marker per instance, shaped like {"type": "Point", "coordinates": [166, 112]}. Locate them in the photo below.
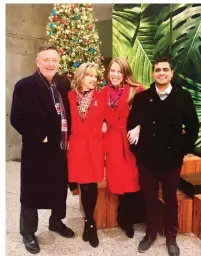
{"type": "Point", "coordinates": [191, 165]}
{"type": "Point", "coordinates": [197, 216]}
{"type": "Point", "coordinates": [185, 207]}
{"type": "Point", "coordinates": [190, 184]}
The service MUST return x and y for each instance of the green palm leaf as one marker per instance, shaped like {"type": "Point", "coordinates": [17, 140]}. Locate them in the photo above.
{"type": "Point", "coordinates": [133, 37]}
{"type": "Point", "coordinates": [185, 36]}
{"type": "Point", "coordinates": [195, 89]}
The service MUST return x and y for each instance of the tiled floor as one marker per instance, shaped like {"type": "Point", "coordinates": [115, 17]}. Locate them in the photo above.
{"type": "Point", "coordinates": [113, 242]}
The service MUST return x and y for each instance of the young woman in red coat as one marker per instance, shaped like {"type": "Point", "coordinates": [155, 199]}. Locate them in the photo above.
{"type": "Point", "coordinates": [86, 152]}
{"type": "Point", "coordinates": [121, 167]}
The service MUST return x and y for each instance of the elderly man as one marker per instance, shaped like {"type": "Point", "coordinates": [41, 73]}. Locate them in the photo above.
{"type": "Point", "coordinates": [40, 113]}
{"type": "Point", "coordinates": [162, 111]}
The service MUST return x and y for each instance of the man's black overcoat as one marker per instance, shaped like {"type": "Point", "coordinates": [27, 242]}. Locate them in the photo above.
{"type": "Point", "coordinates": [43, 165]}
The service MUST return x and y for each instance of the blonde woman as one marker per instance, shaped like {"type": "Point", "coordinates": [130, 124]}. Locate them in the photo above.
{"type": "Point", "coordinates": [121, 166]}
{"type": "Point", "coordinates": [85, 154]}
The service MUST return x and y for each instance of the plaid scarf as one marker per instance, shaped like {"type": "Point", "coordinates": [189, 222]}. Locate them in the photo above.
{"type": "Point", "coordinates": [83, 103]}
{"type": "Point", "coordinates": [56, 97]}
{"type": "Point", "coordinates": [114, 95]}
{"type": "Point", "coordinates": [61, 112]}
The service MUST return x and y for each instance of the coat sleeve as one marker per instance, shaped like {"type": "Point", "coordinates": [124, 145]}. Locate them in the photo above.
{"type": "Point", "coordinates": [191, 125]}
{"type": "Point", "coordinates": [26, 115]}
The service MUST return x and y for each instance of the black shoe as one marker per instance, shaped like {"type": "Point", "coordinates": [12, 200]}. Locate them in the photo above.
{"type": "Point", "coordinates": [145, 244]}
{"type": "Point", "coordinates": [93, 237]}
{"type": "Point", "coordinates": [173, 248]}
{"type": "Point", "coordinates": [127, 228]}
{"type": "Point", "coordinates": [61, 229]}
{"type": "Point", "coordinates": [31, 243]}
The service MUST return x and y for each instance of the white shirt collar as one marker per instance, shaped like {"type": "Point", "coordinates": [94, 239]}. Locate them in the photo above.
{"type": "Point", "coordinates": [166, 91]}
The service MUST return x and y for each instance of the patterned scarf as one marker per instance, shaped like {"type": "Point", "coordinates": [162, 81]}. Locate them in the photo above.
{"type": "Point", "coordinates": [114, 95]}
{"type": "Point", "coordinates": [56, 97]}
{"type": "Point", "coordinates": [83, 103]}
{"type": "Point", "coordinates": [61, 112]}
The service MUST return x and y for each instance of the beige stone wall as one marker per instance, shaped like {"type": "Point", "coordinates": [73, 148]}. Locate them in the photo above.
{"type": "Point", "coordinates": [25, 31]}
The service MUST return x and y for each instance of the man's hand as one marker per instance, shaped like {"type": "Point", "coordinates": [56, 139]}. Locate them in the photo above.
{"type": "Point", "coordinates": [133, 135]}
{"type": "Point", "coordinates": [45, 140]}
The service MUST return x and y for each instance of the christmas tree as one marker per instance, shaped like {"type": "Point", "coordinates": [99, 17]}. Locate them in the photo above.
{"type": "Point", "coordinates": [72, 29]}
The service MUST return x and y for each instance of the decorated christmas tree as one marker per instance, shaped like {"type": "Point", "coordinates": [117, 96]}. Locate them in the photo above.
{"type": "Point", "coordinates": [72, 29]}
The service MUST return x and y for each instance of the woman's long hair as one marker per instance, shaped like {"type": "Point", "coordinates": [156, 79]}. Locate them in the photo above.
{"type": "Point", "coordinates": [83, 69]}
{"type": "Point", "coordinates": [128, 77]}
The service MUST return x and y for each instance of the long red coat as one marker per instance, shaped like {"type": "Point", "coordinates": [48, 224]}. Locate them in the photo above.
{"type": "Point", "coordinates": [86, 151]}
{"type": "Point", "coordinates": [121, 167]}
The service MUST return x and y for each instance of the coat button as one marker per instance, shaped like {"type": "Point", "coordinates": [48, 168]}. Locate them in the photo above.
{"type": "Point", "coordinates": [153, 122]}
{"type": "Point", "coordinates": [169, 147]}
{"type": "Point", "coordinates": [154, 134]}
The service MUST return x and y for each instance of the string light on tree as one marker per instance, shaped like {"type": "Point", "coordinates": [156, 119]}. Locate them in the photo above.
{"type": "Point", "coordinates": [73, 30]}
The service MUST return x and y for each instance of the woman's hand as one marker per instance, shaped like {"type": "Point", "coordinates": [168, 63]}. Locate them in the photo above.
{"type": "Point", "coordinates": [45, 140]}
{"type": "Point", "coordinates": [133, 135]}
{"type": "Point", "coordinates": [104, 127]}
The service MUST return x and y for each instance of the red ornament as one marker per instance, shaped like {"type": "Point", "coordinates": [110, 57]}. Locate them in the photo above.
{"type": "Point", "coordinates": [64, 21]}
{"type": "Point", "coordinates": [102, 78]}
{"type": "Point", "coordinates": [89, 6]}
{"type": "Point", "coordinates": [68, 75]}
{"type": "Point", "coordinates": [65, 36]}
{"type": "Point", "coordinates": [73, 31]}
{"type": "Point", "coordinates": [61, 51]}
{"type": "Point", "coordinates": [73, 7]}
{"type": "Point", "coordinates": [55, 18]}
{"type": "Point", "coordinates": [90, 27]}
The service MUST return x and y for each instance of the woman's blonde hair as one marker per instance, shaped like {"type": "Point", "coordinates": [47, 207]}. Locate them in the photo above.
{"type": "Point", "coordinates": [83, 69]}
{"type": "Point", "coordinates": [127, 76]}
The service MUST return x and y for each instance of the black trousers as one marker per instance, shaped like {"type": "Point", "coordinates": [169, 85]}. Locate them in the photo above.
{"type": "Point", "coordinates": [29, 219]}
{"type": "Point", "coordinates": [149, 182]}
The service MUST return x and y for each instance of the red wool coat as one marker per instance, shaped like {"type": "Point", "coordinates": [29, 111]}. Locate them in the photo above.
{"type": "Point", "coordinates": [86, 151]}
{"type": "Point", "coordinates": [121, 167]}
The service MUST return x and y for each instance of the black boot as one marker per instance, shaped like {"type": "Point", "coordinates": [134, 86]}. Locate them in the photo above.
{"type": "Point", "coordinates": [93, 237]}
{"type": "Point", "coordinates": [127, 226]}
{"type": "Point", "coordinates": [85, 235]}
{"type": "Point", "coordinates": [31, 243]}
